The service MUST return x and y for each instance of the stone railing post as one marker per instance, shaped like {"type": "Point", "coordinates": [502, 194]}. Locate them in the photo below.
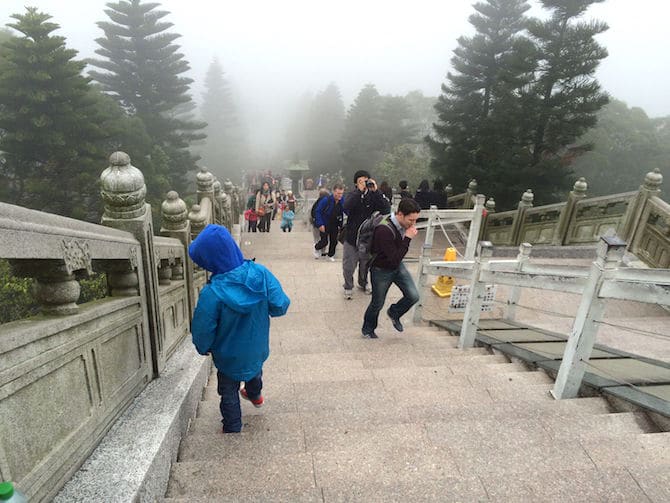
{"type": "Point", "coordinates": [632, 224]}
{"type": "Point", "coordinates": [205, 184]}
{"type": "Point", "coordinates": [475, 228]}
{"type": "Point", "coordinates": [577, 193]}
{"type": "Point", "coordinates": [470, 194]}
{"type": "Point", "coordinates": [175, 224]}
{"type": "Point", "coordinates": [198, 220]}
{"type": "Point", "coordinates": [525, 203]}
{"type": "Point", "coordinates": [424, 260]}
{"type": "Point", "coordinates": [123, 192]}
{"type": "Point", "coordinates": [217, 202]}
{"type": "Point", "coordinates": [490, 208]}
{"type": "Point", "coordinates": [582, 337]}
{"type": "Point", "coordinates": [477, 291]}
{"type": "Point", "coordinates": [515, 291]}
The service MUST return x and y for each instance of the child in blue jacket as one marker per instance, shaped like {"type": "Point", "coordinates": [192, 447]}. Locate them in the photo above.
{"type": "Point", "coordinates": [232, 319]}
{"type": "Point", "coordinates": [287, 217]}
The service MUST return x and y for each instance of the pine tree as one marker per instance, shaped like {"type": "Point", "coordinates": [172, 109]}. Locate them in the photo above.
{"type": "Point", "coordinates": [566, 97]}
{"type": "Point", "coordinates": [480, 132]}
{"type": "Point", "coordinates": [362, 141]}
{"type": "Point", "coordinates": [224, 151]}
{"type": "Point", "coordinates": [143, 70]}
{"type": "Point", "coordinates": [324, 132]}
{"type": "Point", "coordinates": [50, 123]}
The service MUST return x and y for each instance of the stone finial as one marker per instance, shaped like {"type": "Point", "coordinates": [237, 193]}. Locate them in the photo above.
{"type": "Point", "coordinates": [174, 213]}
{"type": "Point", "coordinates": [217, 187]}
{"type": "Point", "coordinates": [580, 186]}
{"type": "Point", "coordinates": [449, 189]}
{"type": "Point", "coordinates": [472, 186]}
{"type": "Point", "coordinates": [653, 179]}
{"type": "Point", "coordinates": [197, 218]}
{"type": "Point", "coordinates": [527, 199]}
{"type": "Point", "coordinates": [490, 205]}
{"type": "Point", "coordinates": [228, 186]}
{"type": "Point", "coordinates": [122, 188]}
{"type": "Point", "coordinates": [205, 180]}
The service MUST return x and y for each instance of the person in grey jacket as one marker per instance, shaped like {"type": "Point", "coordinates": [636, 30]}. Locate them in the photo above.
{"type": "Point", "coordinates": [359, 205]}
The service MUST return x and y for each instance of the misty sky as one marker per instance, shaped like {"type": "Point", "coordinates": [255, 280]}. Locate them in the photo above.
{"type": "Point", "coordinates": [274, 51]}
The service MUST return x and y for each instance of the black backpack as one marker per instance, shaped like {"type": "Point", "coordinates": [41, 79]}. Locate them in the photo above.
{"type": "Point", "coordinates": [367, 230]}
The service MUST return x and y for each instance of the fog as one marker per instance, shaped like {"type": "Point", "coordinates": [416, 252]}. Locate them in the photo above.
{"type": "Point", "coordinates": [273, 52]}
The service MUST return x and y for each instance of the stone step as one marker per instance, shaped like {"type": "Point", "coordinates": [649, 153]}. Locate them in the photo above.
{"type": "Point", "coordinates": [605, 425]}
{"type": "Point", "coordinates": [238, 477]}
{"type": "Point", "coordinates": [478, 378]}
{"type": "Point", "coordinates": [249, 495]}
{"type": "Point", "coordinates": [565, 410]}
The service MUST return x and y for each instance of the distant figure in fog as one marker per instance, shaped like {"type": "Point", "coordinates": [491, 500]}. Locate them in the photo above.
{"type": "Point", "coordinates": [424, 195]}
{"type": "Point", "coordinates": [386, 191]}
{"type": "Point", "coordinates": [439, 195]}
{"type": "Point", "coordinates": [404, 193]}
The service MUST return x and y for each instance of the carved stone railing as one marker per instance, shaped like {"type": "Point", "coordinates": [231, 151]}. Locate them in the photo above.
{"type": "Point", "coordinates": [640, 217]}
{"type": "Point", "coordinates": [68, 373]}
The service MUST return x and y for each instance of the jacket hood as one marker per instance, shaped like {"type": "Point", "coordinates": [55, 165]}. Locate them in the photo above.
{"type": "Point", "coordinates": [242, 288]}
{"type": "Point", "coordinates": [215, 250]}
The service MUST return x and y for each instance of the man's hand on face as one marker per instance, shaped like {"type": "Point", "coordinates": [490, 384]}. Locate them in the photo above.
{"type": "Point", "coordinates": [371, 185]}
{"type": "Point", "coordinates": [411, 232]}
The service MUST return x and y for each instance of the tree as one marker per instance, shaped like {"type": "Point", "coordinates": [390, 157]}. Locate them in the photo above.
{"type": "Point", "coordinates": [51, 133]}
{"type": "Point", "coordinates": [480, 130]}
{"type": "Point", "coordinates": [626, 145]}
{"type": "Point", "coordinates": [565, 97]}
{"type": "Point", "coordinates": [295, 141]}
{"type": "Point", "coordinates": [398, 125]}
{"type": "Point", "coordinates": [324, 131]}
{"type": "Point", "coordinates": [225, 149]}
{"type": "Point", "coordinates": [143, 71]}
{"type": "Point", "coordinates": [362, 141]}
{"type": "Point", "coordinates": [404, 162]}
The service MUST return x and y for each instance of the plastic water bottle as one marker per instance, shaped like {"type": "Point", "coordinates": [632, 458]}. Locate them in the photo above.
{"type": "Point", "coordinates": [9, 494]}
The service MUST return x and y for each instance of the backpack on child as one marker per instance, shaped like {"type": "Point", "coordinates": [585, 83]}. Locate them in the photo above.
{"type": "Point", "coordinates": [367, 230]}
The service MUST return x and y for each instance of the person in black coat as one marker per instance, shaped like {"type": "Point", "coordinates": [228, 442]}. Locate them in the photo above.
{"type": "Point", "coordinates": [439, 195]}
{"type": "Point", "coordinates": [424, 196]}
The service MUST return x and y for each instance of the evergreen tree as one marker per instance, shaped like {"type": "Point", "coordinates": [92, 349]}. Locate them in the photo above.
{"type": "Point", "coordinates": [480, 132]}
{"type": "Point", "coordinates": [565, 97]}
{"type": "Point", "coordinates": [362, 141]}
{"type": "Point", "coordinates": [398, 125]}
{"type": "Point", "coordinates": [224, 151]}
{"type": "Point", "coordinates": [143, 70]}
{"type": "Point", "coordinates": [51, 133]}
{"type": "Point", "coordinates": [324, 132]}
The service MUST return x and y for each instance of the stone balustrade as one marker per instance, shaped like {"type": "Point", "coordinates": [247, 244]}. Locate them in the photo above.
{"type": "Point", "coordinates": [69, 372]}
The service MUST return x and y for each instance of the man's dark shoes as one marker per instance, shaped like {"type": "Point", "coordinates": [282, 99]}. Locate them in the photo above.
{"type": "Point", "coordinates": [396, 322]}
{"type": "Point", "coordinates": [370, 335]}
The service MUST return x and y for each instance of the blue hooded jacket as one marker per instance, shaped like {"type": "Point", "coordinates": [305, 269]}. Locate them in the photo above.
{"type": "Point", "coordinates": [232, 318]}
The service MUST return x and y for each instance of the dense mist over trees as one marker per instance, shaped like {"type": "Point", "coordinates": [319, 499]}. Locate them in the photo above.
{"type": "Point", "coordinates": [521, 108]}
{"type": "Point", "coordinates": [225, 152]}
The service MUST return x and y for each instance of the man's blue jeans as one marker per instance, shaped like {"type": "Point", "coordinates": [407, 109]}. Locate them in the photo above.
{"type": "Point", "coordinates": [229, 390]}
{"type": "Point", "coordinates": [381, 280]}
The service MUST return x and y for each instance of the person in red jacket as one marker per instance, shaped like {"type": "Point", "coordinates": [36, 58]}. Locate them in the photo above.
{"type": "Point", "coordinates": [390, 242]}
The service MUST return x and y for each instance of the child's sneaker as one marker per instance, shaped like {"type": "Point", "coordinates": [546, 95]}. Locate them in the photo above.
{"type": "Point", "coordinates": [258, 402]}
{"type": "Point", "coordinates": [317, 254]}
{"type": "Point", "coordinates": [348, 294]}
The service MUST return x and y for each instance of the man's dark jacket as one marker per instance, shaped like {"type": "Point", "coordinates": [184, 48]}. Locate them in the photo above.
{"type": "Point", "coordinates": [359, 206]}
{"type": "Point", "coordinates": [388, 245]}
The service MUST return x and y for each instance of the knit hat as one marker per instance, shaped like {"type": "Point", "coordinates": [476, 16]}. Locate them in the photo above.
{"type": "Point", "coordinates": [360, 173]}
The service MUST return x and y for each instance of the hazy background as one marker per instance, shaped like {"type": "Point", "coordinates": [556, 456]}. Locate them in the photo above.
{"type": "Point", "coordinates": [273, 52]}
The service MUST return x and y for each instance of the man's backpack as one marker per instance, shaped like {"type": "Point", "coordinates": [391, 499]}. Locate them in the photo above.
{"type": "Point", "coordinates": [312, 212]}
{"type": "Point", "coordinates": [367, 230]}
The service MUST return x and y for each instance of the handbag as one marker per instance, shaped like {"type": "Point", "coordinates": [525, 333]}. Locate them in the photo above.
{"type": "Point", "coordinates": [260, 211]}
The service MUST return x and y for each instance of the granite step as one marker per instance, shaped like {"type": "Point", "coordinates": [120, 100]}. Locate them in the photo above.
{"type": "Point", "coordinates": [238, 477]}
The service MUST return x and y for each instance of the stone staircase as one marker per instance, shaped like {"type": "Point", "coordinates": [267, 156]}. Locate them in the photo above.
{"type": "Point", "coordinates": [407, 417]}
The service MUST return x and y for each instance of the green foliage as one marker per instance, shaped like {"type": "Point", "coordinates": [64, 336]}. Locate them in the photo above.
{"type": "Point", "coordinates": [626, 145]}
{"type": "Point", "coordinates": [16, 294]}
{"type": "Point", "coordinates": [143, 70]}
{"type": "Point", "coordinates": [49, 122]}
{"type": "Point", "coordinates": [404, 162]}
{"type": "Point", "coordinates": [522, 93]}
{"type": "Point", "coordinates": [225, 150]}
{"type": "Point", "coordinates": [16, 299]}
